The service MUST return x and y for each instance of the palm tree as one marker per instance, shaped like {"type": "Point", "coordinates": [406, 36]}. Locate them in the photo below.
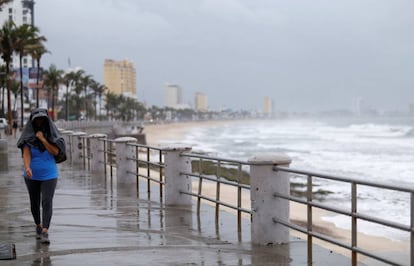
{"type": "Point", "coordinates": [53, 78]}
{"type": "Point", "coordinates": [98, 90]}
{"type": "Point", "coordinates": [86, 81]}
{"type": "Point", "coordinates": [3, 88]}
{"type": "Point", "coordinates": [37, 51]}
{"type": "Point", "coordinates": [77, 85]}
{"type": "Point", "coordinates": [73, 82]}
{"type": "Point", "coordinates": [15, 89]}
{"type": "Point", "coordinates": [7, 47]}
{"type": "Point", "coordinates": [26, 36]}
{"type": "Point", "coordinates": [111, 103]}
{"type": "Point", "coordinates": [68, 80]}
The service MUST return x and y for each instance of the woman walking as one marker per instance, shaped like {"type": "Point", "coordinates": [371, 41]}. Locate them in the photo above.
{"type": "Point", "coordinates": [42, 146]}
{"type": "Point", "coordinates": [14, 128]}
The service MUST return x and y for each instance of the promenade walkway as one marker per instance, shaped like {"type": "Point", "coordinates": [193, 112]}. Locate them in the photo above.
{"type": "Point", "coordinates": [97, 223]}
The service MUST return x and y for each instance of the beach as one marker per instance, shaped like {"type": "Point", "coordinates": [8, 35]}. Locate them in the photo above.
{"type": "Point", "coordinates": [157, 134]}
{"type": "Point", "coordinates": [160, 134]}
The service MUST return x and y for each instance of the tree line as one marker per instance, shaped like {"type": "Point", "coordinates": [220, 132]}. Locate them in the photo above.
{"type": "Point", "coordinates": [72, 94]}
{"type": "Point", "coordinates": [83, 95]}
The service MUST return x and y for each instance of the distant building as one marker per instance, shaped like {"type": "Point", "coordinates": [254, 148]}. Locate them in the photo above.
{"type": "Point", "coordinates": [201, 102]}
{"type": "Point", "coordinates": [20, 12]}
{"type": "Point", "coordinates": [267, 106]}
{"type": "Point", "coordinates": [358, 106]}
{"type": "Point", "coordinates": [172, 96]}
{"type": "Point", "coordinates": [120, 77]}
{"type": "Point", "coordinates": [411, 108]}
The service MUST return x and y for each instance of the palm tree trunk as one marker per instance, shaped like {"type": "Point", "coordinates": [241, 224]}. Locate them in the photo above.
{"type": "Point", "coordinates": [37, 83]}
{"type": "Point", "coordinates": [86, 105]}
{"type": "Point", "coordinates": [100, 106]}
{"type": "Point", "coordinates": [2, 100]}
{"type": "Point", "coordinates": [53, 104]}
{"type": "Point", "coordinates": [9, 111]}
{"type": "Point", "coordinates": [21, 92]}
{"type": "Point", "coordinates": [67, 102]}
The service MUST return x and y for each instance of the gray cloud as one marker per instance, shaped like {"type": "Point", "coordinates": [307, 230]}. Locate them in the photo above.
{"type": "Point", "coordinates": [306, 55]}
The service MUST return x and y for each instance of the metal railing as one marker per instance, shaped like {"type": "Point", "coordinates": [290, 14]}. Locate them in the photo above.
{"type": "Point", "coordinates": [150, 166]}
{"type": "Point", "coordinates": [220, 164]}
{"type": "Point", "coordinates": [145, 162]}
{"type": "Point", "coordinates": [109, 156]}
{"type": "Point", "coordinates": [353, 213]}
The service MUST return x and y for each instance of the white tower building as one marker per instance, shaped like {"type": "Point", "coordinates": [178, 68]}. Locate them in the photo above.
{"type": "Point", "coordinates": [20, 12]}
{"type": "Point", "coordinates": [172, 95]}
{"type": "Point", "coordinates": [201, 102]}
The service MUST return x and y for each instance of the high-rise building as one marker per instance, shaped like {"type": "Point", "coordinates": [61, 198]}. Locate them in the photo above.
{"type": "Point", "coordinates": [172, 95]}
{"type": "Point", "coordinates": [358, 106]}
{"type": "Point", "coordinates": [201, 102]}
{"type": "Point", "coordinates": [20, 12]}
{"type": "Point", "coordinates": [267, 106]}
{"type": "Point", "coordinates": [120, 77]}
{"type": "Point", "coordinates": [411, 108]}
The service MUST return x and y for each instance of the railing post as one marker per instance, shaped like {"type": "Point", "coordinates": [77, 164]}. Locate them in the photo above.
{"type": "Point", "coordinates": [66, 134]}
{"type": "Point", "coordinates": [175, 182]}
{"type": "Point", "coordinates": [97, 152]}
{"type": "Point", "coordinates": [264, 183]}
{"type": "Point", "coordinates": [125, 160]}
{"type": "Point", "coordinates": [76, 148]}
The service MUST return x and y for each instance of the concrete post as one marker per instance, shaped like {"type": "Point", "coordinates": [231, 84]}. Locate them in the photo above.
{"type": "Point", "coordinates": [96, 152]}
{"type": "Point", "coordinates": [264, 182]}
{"type": "Point", "coordinates": [4, 157]}
{"type": "Point", "coordinates": [66, 134]}
{"type": "Point", "coordinates": [76, 148]}
{"type": "Point", "coordinates": [175, 182]}
{"type": "Point", "coordinates": [125, 160]}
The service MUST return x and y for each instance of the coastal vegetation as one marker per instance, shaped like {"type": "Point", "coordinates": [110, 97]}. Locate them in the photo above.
{"type": "Point", "coordinates": [232, 173]}
{"type": "Point", "coordinates": [69, 94]}
{"type": "Point", "coordinates": [81, 96]}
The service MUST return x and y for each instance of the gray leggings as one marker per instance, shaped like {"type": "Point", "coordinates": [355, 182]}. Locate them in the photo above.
{"type": "Point", "coordinates": [41, 191]}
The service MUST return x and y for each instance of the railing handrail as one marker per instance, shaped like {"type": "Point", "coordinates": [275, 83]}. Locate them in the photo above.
{"type": "Point", "coordinates": [346, 179]}
{"type": "Point", "coordinates": [207, 157]}
{"type": "Point", "coordinates": [309, 202]}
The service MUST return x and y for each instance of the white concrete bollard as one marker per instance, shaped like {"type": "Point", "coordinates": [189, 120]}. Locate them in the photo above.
{"type": "Point", "coordinates": [66, 134]}
{"type": "Point", "coordinates": [76, 147]}
{"type": "Point", "coordinates": [175, 182]}
{"type": "Point", "coordinates": [125, 160]}
{"type": "Point", "coordinates": [264, 182]}
{"type": "Point", "coordinates": [97, 152]}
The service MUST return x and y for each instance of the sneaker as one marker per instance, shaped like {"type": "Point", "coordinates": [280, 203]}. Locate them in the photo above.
{"type": "Point", "coordinates": [45, 238]}
{"type": "Point", "coordinates": [39, 232]}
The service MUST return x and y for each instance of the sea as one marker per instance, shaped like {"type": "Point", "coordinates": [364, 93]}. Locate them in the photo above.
{"type": "Point", "coordinates": [378, 149]}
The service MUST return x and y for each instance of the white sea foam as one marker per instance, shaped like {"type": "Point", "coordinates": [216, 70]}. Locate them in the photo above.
{"type": "Point", "coordinates": [380, 151]}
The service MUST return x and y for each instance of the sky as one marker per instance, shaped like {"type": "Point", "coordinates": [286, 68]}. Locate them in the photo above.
{"type": "Point", "coordinates": [305, 55]}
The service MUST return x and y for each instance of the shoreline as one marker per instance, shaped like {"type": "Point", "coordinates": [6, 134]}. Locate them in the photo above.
{"type": "Point", "coordinates": [156, 134]}
{"type": "Point", "coordinates": [159, 134]}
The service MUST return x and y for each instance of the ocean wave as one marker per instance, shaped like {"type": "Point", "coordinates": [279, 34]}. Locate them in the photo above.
{"type": "Point", "coordinates": [381, 152]}
{"type": "Point", "coordinates": [380, 130]}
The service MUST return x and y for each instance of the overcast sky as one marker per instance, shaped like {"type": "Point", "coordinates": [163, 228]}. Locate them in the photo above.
{"type": "Point", "coordinates": [306, 55]}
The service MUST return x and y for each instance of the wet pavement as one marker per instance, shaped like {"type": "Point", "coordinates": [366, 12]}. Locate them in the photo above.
{"type": "Point", "coordinates": [95, 222]}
